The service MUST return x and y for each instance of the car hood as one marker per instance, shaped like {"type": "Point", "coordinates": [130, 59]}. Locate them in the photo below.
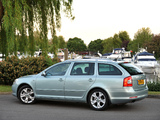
{"type": "Point", "coordinates": [29, 76]}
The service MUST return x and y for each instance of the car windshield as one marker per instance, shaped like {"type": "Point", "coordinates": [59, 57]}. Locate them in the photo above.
{"type": "Point", "coordinates": [132, 69]}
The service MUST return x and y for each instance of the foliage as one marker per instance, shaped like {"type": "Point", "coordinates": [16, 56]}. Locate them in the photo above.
{"type": "Point", "coordinates": [62, 43]}
{"type": "Point", "coordinates": [23, 16]}
{"type": "Point", "coordinates": [154, 45]}
{"type": "Point", "coordinates": [153, 86]}
{"type": "Point", "coordinates": [14, 68]}
{"type": "Point", "coordinates": [76, 44]}
{"type": "Point", "coordinates": [140, 38]}
{"type": "Point", "coordinates": [123, 35]}
{"type": "Point", "coordinates": [108, 45]}
{"type": "Point", "coordinates": [117, 41]}
{"type": "Point", "coordinates": [96, 46]}
{"type": "Point", "coordinates": [57, 42]}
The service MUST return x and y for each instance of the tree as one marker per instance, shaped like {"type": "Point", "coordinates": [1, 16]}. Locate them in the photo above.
{"type": "Point", "coordinates": [143, 35]}
{"type": "Point", "coordinates": [21, 16]}
{"type": "Point", "coordinates": [133, 45]}
{"type": "Point", "coordinates": [117, 41]}
{"type": "Point", "coordinates": [154, 45]}
{"type": "Point", "coordinates": [108, 45]}
{"type": "Point", "coordinates": [140, 38]}
{"type": "Point", "coordinates": [54, 44]}
{"type": "Point", "coordinates": [76, 44]}
{"type": "Point", "coordinates": [123, 35]}
{"type": "Point", "coordinates": [96, 46]}
{"type": "Point", "coordinates": [62, 43]}
{"type": "Point", "coordinates": [38, 41]}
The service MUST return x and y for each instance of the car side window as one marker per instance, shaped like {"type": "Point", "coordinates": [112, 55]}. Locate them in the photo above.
{"type": "Point", "coordinates": [108, 69]}
{"type": "Point", "coordinates": [58, 70]}
{"type": "Point", "coordinates": [83, 69]}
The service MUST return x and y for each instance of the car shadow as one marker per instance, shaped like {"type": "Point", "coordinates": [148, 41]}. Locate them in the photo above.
{"type": "Point", "coordinates": [63, 104]}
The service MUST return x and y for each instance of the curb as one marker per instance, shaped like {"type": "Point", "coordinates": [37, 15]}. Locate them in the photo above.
{"type": "Point", "coordinates": [154, 96]}
{"type": "Point", "coordinates": [5, 93]}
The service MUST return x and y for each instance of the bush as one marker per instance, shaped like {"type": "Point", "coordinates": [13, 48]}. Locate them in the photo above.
{"type": "Point", "coordinates": [154, 86]}
{"type": "Point", "coordinates": [14, 68]}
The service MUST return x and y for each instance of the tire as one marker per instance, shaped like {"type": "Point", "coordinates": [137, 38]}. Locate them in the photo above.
{"type": "Point", "coordinates": [26, 95]}
{"type": "Point", "coordinates": [98, 100]}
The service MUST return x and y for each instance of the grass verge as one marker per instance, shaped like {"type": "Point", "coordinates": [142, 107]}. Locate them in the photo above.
{"type": "Point", "coordinates": [5, 89]}
{"type": "Point", "coordinates": [153, 92]}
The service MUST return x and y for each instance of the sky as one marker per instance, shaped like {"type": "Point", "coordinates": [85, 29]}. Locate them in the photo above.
{"type": "Point", "coordinates": [101, 19]}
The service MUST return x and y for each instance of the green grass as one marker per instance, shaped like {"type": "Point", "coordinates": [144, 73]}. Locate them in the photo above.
{"type": "Point", "coordinates": [5, 88]}
{"type": "Point", "coordinates": [153, 92]}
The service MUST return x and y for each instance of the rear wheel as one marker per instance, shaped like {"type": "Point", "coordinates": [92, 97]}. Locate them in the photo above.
{"type": "Point", "coordinates": [26, 95]}
{"type": "Point", "coordinates": [98, 99]}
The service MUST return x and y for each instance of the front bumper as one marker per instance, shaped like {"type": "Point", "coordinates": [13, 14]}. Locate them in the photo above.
{"type": "Point", "coordinates": [14, 90]}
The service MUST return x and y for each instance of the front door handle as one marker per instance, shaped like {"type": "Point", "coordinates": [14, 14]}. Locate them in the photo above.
{"type": "Point", "coordinates": [90, 80]}
{"type": "Point", "coordinates": [60, 80]}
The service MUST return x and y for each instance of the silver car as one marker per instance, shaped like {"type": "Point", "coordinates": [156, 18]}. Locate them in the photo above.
{"type": "Point", "coordinates": [97, 82]}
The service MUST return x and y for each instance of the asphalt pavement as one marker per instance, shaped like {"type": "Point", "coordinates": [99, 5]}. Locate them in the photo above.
{"type": "Point", "coordinates": [12, 109]}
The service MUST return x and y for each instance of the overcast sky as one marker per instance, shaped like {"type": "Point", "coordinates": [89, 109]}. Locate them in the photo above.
{"type": "Point", "coordinates": [100, 19]}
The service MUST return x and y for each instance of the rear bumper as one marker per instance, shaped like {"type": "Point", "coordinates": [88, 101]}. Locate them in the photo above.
{"type": "Point", "coordinates": [132, 96]}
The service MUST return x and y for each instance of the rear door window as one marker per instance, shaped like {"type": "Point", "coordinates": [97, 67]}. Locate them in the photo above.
{"type": "Point", "coordinates": [108, 69]}
{"type": "Point", "coordinates": [131, 69]}
{"type": "Point", "coordinates": [83, 69]}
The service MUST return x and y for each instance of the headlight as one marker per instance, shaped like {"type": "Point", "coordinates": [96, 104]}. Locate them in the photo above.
{"type": "Point", "coordinates": [15, 81]}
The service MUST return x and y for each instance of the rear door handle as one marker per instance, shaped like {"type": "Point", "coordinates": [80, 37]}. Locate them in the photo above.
{"type": "Point", "coordinates": [60, 80]}
{"type": "Point", "coordinates": [90, 80]}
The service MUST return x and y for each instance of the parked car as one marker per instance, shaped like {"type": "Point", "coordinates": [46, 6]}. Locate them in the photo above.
{"type": "Point", "coordinates": [94, 81]}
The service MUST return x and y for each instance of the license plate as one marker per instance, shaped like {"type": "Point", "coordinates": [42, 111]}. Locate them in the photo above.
{"type": "Point", "coordinates": [140, 82]}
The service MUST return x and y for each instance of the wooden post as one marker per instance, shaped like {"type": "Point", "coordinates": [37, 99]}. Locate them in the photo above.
{"type": "Point", "coordinates": [65, 54]}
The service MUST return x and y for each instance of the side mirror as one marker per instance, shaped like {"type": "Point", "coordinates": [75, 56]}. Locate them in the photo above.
{"type": "Point", "coordinates": [43, 74]}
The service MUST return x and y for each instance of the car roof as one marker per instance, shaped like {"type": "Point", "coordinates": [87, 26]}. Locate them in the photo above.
{"type": "Point", "coordinates": [89, 60]}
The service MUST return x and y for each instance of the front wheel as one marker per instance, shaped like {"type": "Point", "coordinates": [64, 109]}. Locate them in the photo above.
{"type": "Point", "coordinates": [26, 95]}
{"type": "Point", "coordinates": [98, 99]}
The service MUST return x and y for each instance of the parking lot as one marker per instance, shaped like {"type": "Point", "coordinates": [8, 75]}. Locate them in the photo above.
{"type": "Point", "coordinates": [12, 109]}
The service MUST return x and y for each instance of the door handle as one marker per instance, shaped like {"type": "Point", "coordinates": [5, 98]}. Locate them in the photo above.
{"type": "Point", "coordinates": [90, 80]}
{"type": "Point", "coordinates": [60, 80]}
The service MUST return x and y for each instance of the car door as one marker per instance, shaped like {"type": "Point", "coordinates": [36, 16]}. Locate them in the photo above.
{"type": "Point", "coordinates": [52, 84]}
{"type": "Point", "coordinates": [79, 80]}
{"type": "Point", "coordinates": [111, 77]}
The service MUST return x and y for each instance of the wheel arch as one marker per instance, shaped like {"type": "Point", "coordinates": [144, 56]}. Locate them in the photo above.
{"type": "Point", "coordinates": [23, 84]}
{"type": "Point", "coordinates": [100, 89]}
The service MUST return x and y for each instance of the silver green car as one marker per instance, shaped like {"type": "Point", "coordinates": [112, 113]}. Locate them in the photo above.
{"type": "Point", "coordinates": [97, 82]}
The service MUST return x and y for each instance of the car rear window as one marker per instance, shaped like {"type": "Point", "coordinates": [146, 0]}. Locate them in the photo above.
{"type": "Point", "coordinates": [131, 69]}
{"type": "Point", "coordinates": [108, 69]}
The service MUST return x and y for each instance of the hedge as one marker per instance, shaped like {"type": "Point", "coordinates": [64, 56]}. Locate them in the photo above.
{"type": "Point", "coordinates": [14, 68]}
{"type": "Point", "coordinates": [154, 86]}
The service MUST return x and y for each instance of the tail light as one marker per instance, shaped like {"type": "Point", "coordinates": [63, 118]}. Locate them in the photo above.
{"type": "Point", "coordinates": [127, 82]}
